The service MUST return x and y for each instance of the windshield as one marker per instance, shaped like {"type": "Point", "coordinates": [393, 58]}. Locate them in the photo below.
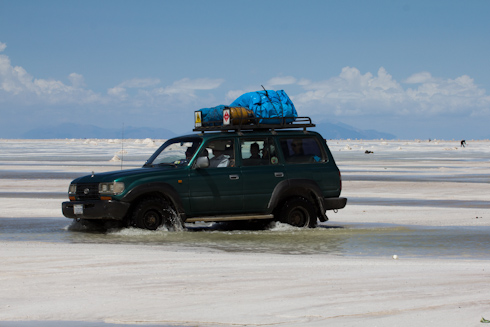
{"type": "Point", "coordinates": [178, 152]}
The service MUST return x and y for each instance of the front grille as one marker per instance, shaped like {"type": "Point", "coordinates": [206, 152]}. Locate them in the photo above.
{"type": "Point", "coordinates": [88, 191]}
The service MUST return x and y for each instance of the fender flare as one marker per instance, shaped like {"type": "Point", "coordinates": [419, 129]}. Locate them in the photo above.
{"type": "Point", "coordinates": [164, 189]}
{"type": "Point", "coordinates": [291, 185]}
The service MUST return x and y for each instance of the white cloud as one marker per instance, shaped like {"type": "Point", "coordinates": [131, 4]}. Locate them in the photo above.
{"type": "Point", "coordinates": [18, 87]}
{"type": "Point", "coordinates": [353, 93]}
{"type": "Point", "coordinates": [118, 92]}
{"type": "Point", "coordinates": [234, 94]}
{"type": "Point", "coordinates": [11, 78]}
{"type": "Point", "coordinates": [349, 93]}
{"type": "Point", "coordinates": [181, 93]}
{"type": "Point", "coordinates": [188, 86]}
{"type": "Point", "coordinates": [76, 80]}
{"type": "Point", "coordinates": [286, 80]}
{"type": "Point", "coordinates": [458, 95]}
{"type": "Point", "coordinates": [140, 83]}
{"type": "Point", "coordinates": [304, 82]}
{"type": "Point", "coordinates": [422, 77]}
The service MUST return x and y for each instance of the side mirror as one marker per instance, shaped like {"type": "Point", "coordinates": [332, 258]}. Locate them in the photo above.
{"type": "Point", "coordinates": [202, 162]}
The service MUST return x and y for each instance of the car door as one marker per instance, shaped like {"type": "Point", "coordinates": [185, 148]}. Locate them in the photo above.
{"type": "Point", "coordinates": [260, 173]}
{"type": "Point", "coordinates": [217, 189]}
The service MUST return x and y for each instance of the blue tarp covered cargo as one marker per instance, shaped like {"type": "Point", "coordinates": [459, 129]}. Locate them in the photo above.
{"type": "Point", "coordinates": [268, 104]}
{"type": "Point", "coordinates": [264, 104]}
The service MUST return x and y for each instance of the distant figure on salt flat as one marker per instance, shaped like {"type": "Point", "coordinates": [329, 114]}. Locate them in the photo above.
{"type": "Point", "coordinates": [463, 143]}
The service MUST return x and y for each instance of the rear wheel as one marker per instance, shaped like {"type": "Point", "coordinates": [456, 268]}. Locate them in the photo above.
{"type": "Point", "coordinates": [298, 212]}
{"type": "Point", "coordinates": [152, 213]}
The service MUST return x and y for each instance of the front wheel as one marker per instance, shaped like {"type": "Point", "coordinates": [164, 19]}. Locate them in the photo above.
{"type": "Point", "coordinates": [298, 212]}
{"type": "Point", "coordinates": [152, 213]}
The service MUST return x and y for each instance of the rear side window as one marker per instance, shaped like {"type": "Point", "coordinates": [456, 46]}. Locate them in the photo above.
{"type": "Point", "coordinates": [302, 150]}
{"type": "Point", "coordinates": [258, 152]}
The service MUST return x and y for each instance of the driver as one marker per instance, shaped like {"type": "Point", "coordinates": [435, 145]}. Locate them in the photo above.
{"type": "Point", "coordinates": [190, 152]}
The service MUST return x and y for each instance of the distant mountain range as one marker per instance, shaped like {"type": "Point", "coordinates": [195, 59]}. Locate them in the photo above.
{"type": "Point", "coordinates": [329, 130]}
{"type": "Point", "coordinates": [76, 131]}
{"type": "Point", "coordinates": [338, 130]}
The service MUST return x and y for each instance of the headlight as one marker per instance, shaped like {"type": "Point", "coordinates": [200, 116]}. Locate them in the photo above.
{"type": "Point", "coordinates": [112, 188]}
{"type": "Point", "coordinates": [72, 189]}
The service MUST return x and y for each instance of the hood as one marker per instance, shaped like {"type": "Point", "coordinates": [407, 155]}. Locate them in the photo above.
{"type": "Point", "coordinates": [123, 175]}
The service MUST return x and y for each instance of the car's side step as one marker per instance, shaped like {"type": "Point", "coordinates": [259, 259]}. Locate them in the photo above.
{"type": "Point", "coordinates": [227, 218]}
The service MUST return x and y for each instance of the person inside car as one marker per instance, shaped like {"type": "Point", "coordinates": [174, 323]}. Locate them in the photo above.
{"type": "Point", "coordinates": [220, 159]}
{"type": "Point", "coordinates": [255, 158]}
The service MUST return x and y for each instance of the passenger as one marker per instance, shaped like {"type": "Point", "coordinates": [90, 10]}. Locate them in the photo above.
{"type": "Point", "coordinates": [255, 158]}
{"type": "Point", "coordinates": [298, 155]}
{"type": "Point", "coordinates": [255, 151]}
{"type": "Point", "coordinates": [219, 159]}
{"type": "Point", "coordinates": [297, 146]}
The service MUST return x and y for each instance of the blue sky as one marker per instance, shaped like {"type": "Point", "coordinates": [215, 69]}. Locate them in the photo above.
{"type": "Point", "coordinates": [415, 69]}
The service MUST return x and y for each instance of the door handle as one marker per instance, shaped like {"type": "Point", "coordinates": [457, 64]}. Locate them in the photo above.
{"type": "Point", "coordinates": [279, 174]}
{"type": "Point", "coordinates": [234, 177]}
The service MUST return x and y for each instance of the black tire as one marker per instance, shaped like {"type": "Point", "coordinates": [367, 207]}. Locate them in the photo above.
{"type": "Point", "coordinates": [152, 213]}
{"type": "Point", "coordinates": [298, 212]}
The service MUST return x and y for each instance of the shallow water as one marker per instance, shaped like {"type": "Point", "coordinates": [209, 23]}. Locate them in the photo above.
{"type": "Point", "coordinates": [41, 168]}
{"type": "Point", "coordinates": [378, 240]}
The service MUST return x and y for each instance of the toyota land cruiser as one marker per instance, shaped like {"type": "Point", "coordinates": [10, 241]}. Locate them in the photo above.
{"type": "Point", "coordinates": [278, 172]}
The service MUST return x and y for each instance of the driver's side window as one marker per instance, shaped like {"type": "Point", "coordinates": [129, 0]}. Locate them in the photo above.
{"type": "Point", "coordinates": [220, 153]}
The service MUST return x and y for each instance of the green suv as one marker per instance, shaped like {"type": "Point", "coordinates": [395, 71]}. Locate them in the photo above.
{"type": "Point", "coordinates": [279, 172]}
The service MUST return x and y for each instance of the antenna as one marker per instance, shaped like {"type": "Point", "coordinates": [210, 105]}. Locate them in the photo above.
{"type": "Point", "coordinates": [122, 147]}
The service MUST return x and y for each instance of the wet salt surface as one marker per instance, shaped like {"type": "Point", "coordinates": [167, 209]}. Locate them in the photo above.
{"type": "Point", "coordinates": [463, 178]}
{"type": "Point", "coordinates": [42, 170]}
{"type": "Point", "coordinates": [50, 323]}
{"type": "Point", "coordinates": [332, 239]}
{"type": "Point", "coordinates": [418, 202]}
{"type": "Point", "coordinates": [13, 174]}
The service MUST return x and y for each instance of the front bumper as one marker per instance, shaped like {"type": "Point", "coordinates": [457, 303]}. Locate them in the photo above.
{"type": "Point", "coordinates": [114, 210]}
{"type": "Point", "coordinates": [334, 203]}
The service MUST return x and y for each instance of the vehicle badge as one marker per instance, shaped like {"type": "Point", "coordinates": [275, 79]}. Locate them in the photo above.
{"type": "Point", "coordinates": [86, 191]}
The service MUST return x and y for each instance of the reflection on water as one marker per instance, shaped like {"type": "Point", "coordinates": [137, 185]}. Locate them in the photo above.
{"type": "Point", "coordinates": [327, 238]}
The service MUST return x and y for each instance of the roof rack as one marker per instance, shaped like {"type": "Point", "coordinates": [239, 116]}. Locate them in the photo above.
{"type": "Point", "coordinates": [230, 123]}
{"type": "Point", "coordinates": [242, 124]}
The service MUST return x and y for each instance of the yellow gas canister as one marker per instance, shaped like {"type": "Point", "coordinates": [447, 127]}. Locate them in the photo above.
{"type": "Point", "coordinates": [241, 115]}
